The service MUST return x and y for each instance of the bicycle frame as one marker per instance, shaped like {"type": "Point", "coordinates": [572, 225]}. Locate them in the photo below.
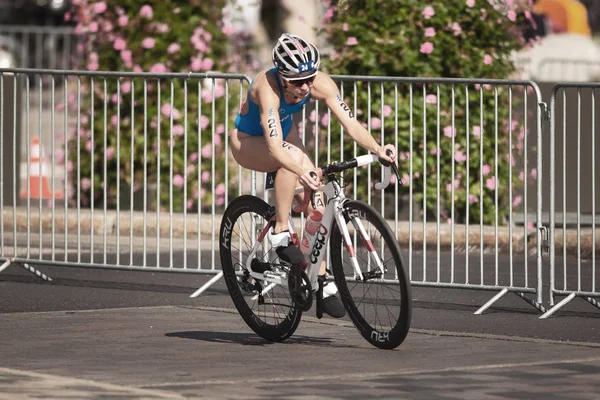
{"type": "Point", "coordinates": [334, 213]}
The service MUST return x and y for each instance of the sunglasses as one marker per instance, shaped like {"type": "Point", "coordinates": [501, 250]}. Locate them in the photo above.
{"type": "Point", "coordinates": [301, 82]}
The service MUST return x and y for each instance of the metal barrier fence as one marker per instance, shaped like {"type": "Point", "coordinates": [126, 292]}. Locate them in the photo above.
{"type": "Point", "coordinates": [143, 137]}
{"type": "Point", "coordinates": [382, 103]}
{"type": "Point", "coordinates": [574, 278]}
{"type": "Point", "coordinates": [44, 47]}
{"type": "Point", "coordinates": [138, 224]}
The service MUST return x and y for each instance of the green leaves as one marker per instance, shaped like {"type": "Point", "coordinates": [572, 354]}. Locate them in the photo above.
{"type": "Point", "coordinates": [184, 36]}
{"type": "Point", "coordinates": [440, 38]}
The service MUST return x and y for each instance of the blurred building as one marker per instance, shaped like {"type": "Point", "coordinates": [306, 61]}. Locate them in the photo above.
{"type": "Point", "coordinates": [263, 21]}
{"type": "Point", "coordinates": [34, 34]}
{"type": "Point", "coordinates": [33, 12]}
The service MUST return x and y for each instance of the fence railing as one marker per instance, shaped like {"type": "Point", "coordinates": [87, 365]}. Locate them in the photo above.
{"type": "Point", "coordinates": [124, 145]}
{"type": "Point", "coordinates": [442, 199]}
{"type": "Point", "coordinates": [573, 107]}
{"type": "Point", "coordinates": [143, 164]}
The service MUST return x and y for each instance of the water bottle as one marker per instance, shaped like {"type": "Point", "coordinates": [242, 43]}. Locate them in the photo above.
{"type": "Point", "coordinates": [313, 222]}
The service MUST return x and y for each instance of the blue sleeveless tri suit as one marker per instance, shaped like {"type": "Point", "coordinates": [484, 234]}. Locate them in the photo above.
{"type": "Point", "coordinates": [250, 122]}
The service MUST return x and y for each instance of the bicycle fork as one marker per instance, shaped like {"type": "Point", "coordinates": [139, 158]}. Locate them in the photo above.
{"type": "Point", "coordinates": [379, 270]}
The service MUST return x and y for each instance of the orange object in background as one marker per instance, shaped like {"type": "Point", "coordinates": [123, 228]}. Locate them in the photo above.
{"type": "Point", "coordinates": [38, 172]}
{"type": "Point", "coordinates": [565, 16]}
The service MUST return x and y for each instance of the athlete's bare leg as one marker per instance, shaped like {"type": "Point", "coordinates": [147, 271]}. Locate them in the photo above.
{"type": "Point", "coordinates": [248, 150]}
{"type": "Point", "coordinates": [245, 149]}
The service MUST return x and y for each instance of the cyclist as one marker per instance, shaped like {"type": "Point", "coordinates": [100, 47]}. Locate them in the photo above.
{"type": "Point", "coordinates": [266, 140]}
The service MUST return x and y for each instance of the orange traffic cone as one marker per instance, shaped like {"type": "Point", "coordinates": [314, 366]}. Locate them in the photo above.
{"type": "Point", "coordinates": [38, 171]}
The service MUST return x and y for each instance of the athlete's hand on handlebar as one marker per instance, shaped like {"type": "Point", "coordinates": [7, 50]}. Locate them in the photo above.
{"type": "Point", "coordinates": [387, 157]}
{"type": "Point", "coordinates": [387, 153]}
{"type": "Point", "coordinates": [310, 179]}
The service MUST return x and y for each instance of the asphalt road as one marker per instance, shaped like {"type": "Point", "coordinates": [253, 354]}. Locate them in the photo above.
{"type": "Point", "coordinates": [98, 333]}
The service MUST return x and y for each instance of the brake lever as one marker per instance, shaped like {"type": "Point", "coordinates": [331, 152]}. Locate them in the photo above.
{"type": "Point", "coordinates": [394, 167]}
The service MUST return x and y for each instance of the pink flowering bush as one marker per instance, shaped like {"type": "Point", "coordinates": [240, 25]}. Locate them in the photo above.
{"type": "Point", "coordinates": [436, 39]}
{"type": "Point", "coordinates": [125, 118]}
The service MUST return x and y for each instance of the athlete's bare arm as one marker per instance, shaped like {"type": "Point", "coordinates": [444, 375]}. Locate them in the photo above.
{"type": "Point", "coordinates": [325, 89]}
{"type": "Point", "coordinates": [267, 98]}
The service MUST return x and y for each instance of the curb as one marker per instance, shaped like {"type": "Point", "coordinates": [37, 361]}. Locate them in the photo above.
{"type": "Point", "coordinates": [180, 226]}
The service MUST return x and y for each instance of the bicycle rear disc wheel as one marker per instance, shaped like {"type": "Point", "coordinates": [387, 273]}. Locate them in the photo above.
{"type": "Point", "coordinates": [380, 303]}
{"type": "Point", "coordinates": [274, 315]}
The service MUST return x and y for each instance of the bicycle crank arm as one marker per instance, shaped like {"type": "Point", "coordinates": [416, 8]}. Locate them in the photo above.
{"type": "Point", "coordinates": [269, 276]}
{"type": "Point", "coordinates": [372, 274]}
{"type": "Point", "coordinates": [319, 296]}
{"type": "Point", "coordinates": [264, 291]}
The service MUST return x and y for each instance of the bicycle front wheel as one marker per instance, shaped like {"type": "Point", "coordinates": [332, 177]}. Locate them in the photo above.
{"type": "Point", "coordinates": [268, 309]}
{"type": "Point", "coordinates": [378, 299]}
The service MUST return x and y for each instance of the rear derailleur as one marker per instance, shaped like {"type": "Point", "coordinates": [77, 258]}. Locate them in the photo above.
{"type": "Point", "coordinates": [253, 286]}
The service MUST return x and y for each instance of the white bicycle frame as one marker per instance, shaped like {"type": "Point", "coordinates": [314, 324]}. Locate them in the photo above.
{"type": "Point", "coordinates": [318, 243]}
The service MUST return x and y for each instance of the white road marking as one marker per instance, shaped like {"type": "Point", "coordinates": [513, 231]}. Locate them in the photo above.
{"type": "Point", "coordinates": [45, 381]}
{"type": "Point", "coordinates": [362, 375]}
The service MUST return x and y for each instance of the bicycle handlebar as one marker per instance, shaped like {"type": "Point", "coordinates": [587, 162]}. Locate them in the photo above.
{"type": "Point", "coordinates": [387, 173]}
{"type": "Point", "coordinates": [341, 166]}
{"type": "Point", "coordinates": [360, 161]}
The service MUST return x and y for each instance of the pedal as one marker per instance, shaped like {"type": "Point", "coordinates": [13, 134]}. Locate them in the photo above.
{"type": "Point", "coordinates": [372, 274]}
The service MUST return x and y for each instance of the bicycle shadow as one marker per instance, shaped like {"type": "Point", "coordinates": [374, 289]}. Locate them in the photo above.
{"type": "Point", "coordinates": [251, 339]}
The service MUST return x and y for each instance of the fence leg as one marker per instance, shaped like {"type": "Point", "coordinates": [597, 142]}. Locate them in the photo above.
{"type": "Point", "coordinates": [27, 267]}
{"type": "Point", "coordinates": [5, 265]}
{"type": "Point", "coordinates": [492, 301]}
{"type": "Point", "coordinates": [207, 285]}
{"type": "Point", "coordinates": [558, 306]}
{"type": "Point", "coordinates": [36, 272]}
{"type": "Point", "coordinates": [531, 302]}
{"type": "Point", "coordinates": [593, 301]}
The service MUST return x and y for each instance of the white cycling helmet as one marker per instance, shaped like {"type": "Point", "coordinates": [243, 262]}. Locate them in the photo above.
{"type": "Point", "coordinates": [293, 55]}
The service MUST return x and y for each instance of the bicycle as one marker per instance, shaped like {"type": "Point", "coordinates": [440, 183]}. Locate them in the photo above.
{"type": "Point", "coordinates": [271, 295]}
